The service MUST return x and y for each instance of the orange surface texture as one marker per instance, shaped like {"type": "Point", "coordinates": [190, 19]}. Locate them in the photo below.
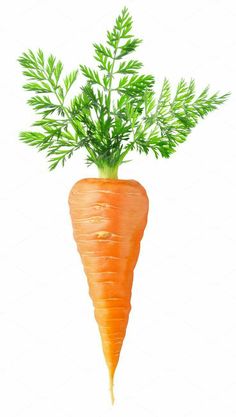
{"type": "Point", "coordinates": [108, 218]}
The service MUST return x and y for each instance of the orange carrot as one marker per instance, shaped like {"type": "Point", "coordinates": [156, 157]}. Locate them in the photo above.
{"type": "Point", "coordinates": [109, 217]}
{"type": "Point", "coordinates": [116, 111]}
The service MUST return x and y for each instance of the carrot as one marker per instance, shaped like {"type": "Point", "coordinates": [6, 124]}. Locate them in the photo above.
{"type": "Point", "coordinates": [116, 111]}
{"type": "Point", "coordinates": [108, 229]}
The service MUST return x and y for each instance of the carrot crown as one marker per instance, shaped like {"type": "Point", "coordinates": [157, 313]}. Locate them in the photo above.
{"type": "Point", "coordinates": [115, 111]}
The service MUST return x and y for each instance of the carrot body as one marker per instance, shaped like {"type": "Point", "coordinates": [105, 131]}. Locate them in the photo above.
{"type": "Point", "coordinates": [108, 218]}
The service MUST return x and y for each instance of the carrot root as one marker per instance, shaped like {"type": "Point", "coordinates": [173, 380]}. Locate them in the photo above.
{"type": "Point", "coordinates": [109, 217]}
{"type": "Point", "coordinates": [111, 379]}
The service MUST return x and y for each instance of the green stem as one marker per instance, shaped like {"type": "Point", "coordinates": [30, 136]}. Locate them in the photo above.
{"type": "Point", "coordinates": [112, 73]}
{"type": "Point", "coordinates": [111, 76]}
{"type": "Point", "coordinates": [107, 171]}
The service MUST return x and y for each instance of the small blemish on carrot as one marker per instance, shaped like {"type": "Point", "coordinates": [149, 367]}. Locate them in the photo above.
{"type": "Point", "coordinates": [103, 235]}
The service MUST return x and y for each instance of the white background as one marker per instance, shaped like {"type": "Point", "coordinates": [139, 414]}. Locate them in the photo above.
{"type": "Point", "coordinates": [179, 356]}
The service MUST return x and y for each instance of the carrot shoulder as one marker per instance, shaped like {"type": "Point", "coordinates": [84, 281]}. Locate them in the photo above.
{"type": "Point", "coordinates": [108, 218]}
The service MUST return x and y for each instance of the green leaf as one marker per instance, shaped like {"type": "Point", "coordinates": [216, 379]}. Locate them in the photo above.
{"type": "Point", "coordinates": [135, 85]}
{"type": "Point", "coordinates": [149, 102]}
{"type": "Point", "coordinates": [70, 79]}
{"type": "Point", "coordinates": [91, 75]}
{"type": "Point", "coordinates": [32, 138]}
{"type": "Point", "coordinates": [115, 111]}
{"type": "Point", "coordinates": [165, 98]}
{"type": "Point", "coordinates": [61, 154]}
{"type": "Point", "coordinates": [60, 93]}
{"type": "Point", "coordinates": [40, 57]}
{"type": "Point", "coordinates": [58, 70]}
{"type": "Point", "coordinates": [102, 50]}
{"type": "Point", "coordinates": [55, 123]}
{"type": "Point", "coordinates": [128, 47]}
{"type": "Point", "coordinates": [105, 64]}
{"type": "Point", "coordinates": [38, 87]}
{"type": "Point", "coordinates": [50, 65]}
{"type": "Point", "coordinates": [130, 67]}
{"type": "Point", "coordinates": [121, 29]}
{"type": "Point", "coordinates": [42, 104]}
{"type": "Point", "coordinates": [34, 75]}
{"type": "Point", "coordinates": [28, 60]}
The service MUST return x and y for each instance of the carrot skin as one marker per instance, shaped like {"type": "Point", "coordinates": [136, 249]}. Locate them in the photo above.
{"type": "Point", "coordinates": [108, 219]}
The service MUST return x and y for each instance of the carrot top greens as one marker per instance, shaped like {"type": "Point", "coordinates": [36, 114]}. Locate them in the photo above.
{"type": "Point", "coordinates": [115, 111]}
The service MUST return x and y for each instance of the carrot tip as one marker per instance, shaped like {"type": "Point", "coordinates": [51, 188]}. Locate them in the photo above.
{"type": "Point", "coordinates": [112, 390]}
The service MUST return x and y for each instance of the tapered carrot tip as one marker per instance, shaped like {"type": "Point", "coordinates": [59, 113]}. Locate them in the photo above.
{"type": "Point", "coordinates": [111, 377]}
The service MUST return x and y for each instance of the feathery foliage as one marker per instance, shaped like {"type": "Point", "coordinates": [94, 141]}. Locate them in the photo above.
{"type": "Point", "coordinates": [115, 111]}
